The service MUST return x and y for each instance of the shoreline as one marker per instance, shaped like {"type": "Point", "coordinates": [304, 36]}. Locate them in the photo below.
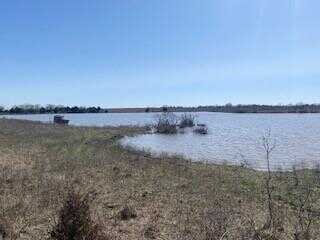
{"type": "Point", "coordinates": [159, 112]}
{"type": "Point", "coordinates": [135, 130]}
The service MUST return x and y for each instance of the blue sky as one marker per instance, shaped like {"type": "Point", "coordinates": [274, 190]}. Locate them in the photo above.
{"type": "Point", "coordinates": [131, 53]}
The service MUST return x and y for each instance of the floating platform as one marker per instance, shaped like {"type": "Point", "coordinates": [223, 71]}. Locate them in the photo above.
{"type": "Point", "coordinates": [58, 119]}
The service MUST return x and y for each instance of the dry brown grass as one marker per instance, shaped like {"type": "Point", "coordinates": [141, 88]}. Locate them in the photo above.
{"type": "Point", "coordinates": [171, 198]}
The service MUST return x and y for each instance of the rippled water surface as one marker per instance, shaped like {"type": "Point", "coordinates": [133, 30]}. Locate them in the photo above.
{"type": "Point", "coordinates": [232, 138]}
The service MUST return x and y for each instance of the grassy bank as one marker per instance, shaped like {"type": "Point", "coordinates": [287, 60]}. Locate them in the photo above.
{"type": "Point", "coordinates": [171, 198]}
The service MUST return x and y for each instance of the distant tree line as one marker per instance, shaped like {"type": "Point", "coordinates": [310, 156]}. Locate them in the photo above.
{"type": "Point", "coordinates": [297, 108]}
{"type": "Point", "coordinates": [249, 108]}
{"type": "Point", "coordinates": [38, 109]}
{"type": "Point", "coordinates": [228, 108]}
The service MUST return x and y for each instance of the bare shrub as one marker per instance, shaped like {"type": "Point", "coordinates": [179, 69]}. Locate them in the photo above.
{"type": "Point", "coordinates": [166, 123]}
{"type": "Point", "coordinates": [303, 200]}
{"type": "Point", "coordinates": [269, 145]}
{"type": "Point", "coordinates": [187, 120]}
{"type": "Point", "coordinates": [201, 130]}
{"type": "Point", "coordinates": [75, 222]}
{"type": "Point", "coordinates": [127, 213]}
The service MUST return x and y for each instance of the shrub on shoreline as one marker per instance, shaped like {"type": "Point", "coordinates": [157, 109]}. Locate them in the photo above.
{"type": "Point", "coordinates": [166, 123]}
{"type": "Point", "coordinates": [187, 120]}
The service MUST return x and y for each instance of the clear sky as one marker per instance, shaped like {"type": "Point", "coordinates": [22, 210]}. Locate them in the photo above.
{"type": "Point", "coordinates": [126, 53]}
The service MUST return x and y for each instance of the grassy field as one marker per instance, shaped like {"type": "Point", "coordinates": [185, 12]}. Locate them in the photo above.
{"type": "Point", "coordinates": [167, 197]}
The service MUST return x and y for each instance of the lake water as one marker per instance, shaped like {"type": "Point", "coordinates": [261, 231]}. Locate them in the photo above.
{"type": "Point", "coordinates": [232, 139]}
{"type": "Point", "coordinates": [93, 119]}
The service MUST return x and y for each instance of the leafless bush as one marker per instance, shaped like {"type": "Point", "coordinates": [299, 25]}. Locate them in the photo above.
{"type": "Point", "coordinates": [187, 120]}
{"type": "Point", "coordinates": [75, 221]}
{"type": "Point", "coordinates": [166, 123]}
{"type": "Point", "coordinates": [127, 213]}
{"type": "Point", "coordinates": [269, 145]}
{"type": "Point", "coordinates": [303, 200]}
{"type": "Point", "coordinates": [201, 130]}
